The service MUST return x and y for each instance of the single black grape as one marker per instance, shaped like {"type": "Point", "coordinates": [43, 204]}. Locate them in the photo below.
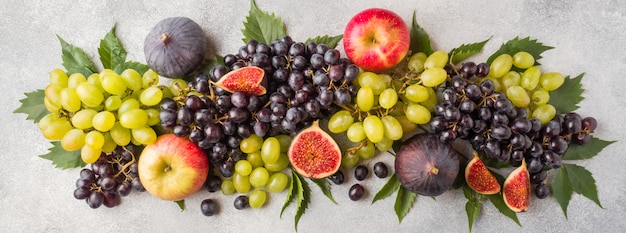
{"type": "Point", "coordinates": [360, 172]}
{"type": "Point", "coordinates": [356, 192]}
{"type": "Point", "coordinates": [380, 170]}
{"type": "Point", "coordinates": [209, 207]}
{"type": "Point", "coordinates": [542, 191]}
{"type": "Point", "coordinates": [241, 202]}
{"type": "Point", "coordinates": [337, 178]}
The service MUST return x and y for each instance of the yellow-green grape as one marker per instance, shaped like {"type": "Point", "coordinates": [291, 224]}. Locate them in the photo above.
{"type": "Point", "coordinates": [279, 165]}
{"type": "Point", "coordinates": [530, 78]}
{"type": "Point", "coordinates": [257, 197]}
{"type": "Point", "coordinates": [255, 159]}
{"type": "Point", "coordinates": [433, 77]}
{"type": "Point", "coordinates": [109, 144]}
{"type": "Point", "coordinates": [112, 103]}
{"type": "Point", "coordinates": [544, 113]}
{"type": "Point", "coordinates": [373, 128]}
{"type": "Point", "coordinates": [365, 99]}
{"type": "Point", "coordinates": [252, 143]}
{"type": "Point", "coordinates": [355, 132]}
{"type": "Point", "coordinates": [432, 100]}
{"type": "Point", "coordinates": [366, 152]}
{"type": "Point", "coordinates": [89, 94]}
{"type": "Point", "coordinates": [388, 98]}
{"type": "Point", "coordinates": [270, 150]}
{"type": "Point", "coordinates": [121, 136]}
{"type": "Point", "coordinates": [523, 60]}
{"type": "Point", "coordinates": [75, 79]}
{"type": "Point", "coordinates": [149, 79]}
{"type": "Point", "coordinates": [144, 135]}
{"type": "Point", "coordinates": [54, 128]}
{"type": "Point", "coordinates": [90, 154]}
{"type": "Point", "coordinates": [59, 77]}
{"type": "Point", "coordinates": [103, 121]}
{"type": "Point", "coordinates": [417, 114]}
{"type": "Point", "coordinates": [132, 79]}
{"type": "Point", "coordinates": [241, 183]}
{"type": "Point", "coordinates": [387, 79]}
{"type": "Point", "coordinates": [94, 139]}
{"type": "Point", "coordinates": [416, 93]}
{"type": "Point", "coordinates": [126, 105]}
{"type": "Point", "coordinates": [177, 86]}
{"type": "Point", "coordinates": [340, 121]}
{"type": "Point", "coordinates": [392, 127]}
{"type": "Point", "coordinates": [407, 125]}
{"type": "Point", "coordinates": [69, 100]}
{"type": "Point", "coordinates": [151, 96]}
{"type": "Point", "coordinates": [94, 79]}
{"type": "Point", "coordinates": [153, 116]}
{"type": "Point", "coordinates": [518, 96]}
{"type": "Point", "coordinates": [134, 118]}
{"type": "Point", "coordinates": [227, 187]}
{"type": "Point", "coordinates": [350, 160]}
{"type": "Point", "coordinates": [540, 97]}
{"type": "Point", "coordinates": [511, 78]}
{"type": "Point", "coordinates": [551, 81]}
{"type": "Point", "coordinates": [416, 62]}
{"type": "Point", "coordinates": [438, 59]}
{"type": "Point", "coordinates": [73, 140]}
{"type": "Point", "coordinates": [384, 145]}
{"type": "Point", "coordinates": [501, 65]}
{"type": "Point", "coordinates": [83, 119]}
{"type": "Point", "coordinates": [53, 93]}
{"type": "Point", "coordinates": [112, 83]}
{"type": "Point", "coordinates": [45, 120]}
{"type": "Point", "coordinates": [167, 93]}
{"type": "Point", "coordinates": [50, 106]}
{"type": "Point", "coordinates": [259, 177]}
{"type": "Point", "coordinates": [373, 81]}
{"type": "Point", "coordinates": [277, 182]}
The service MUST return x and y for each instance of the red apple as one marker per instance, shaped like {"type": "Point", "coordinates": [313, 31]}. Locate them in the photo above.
{"type": "Point", "coordinates": [376, 39]}
{"type": "Point", "coordinates": [172, 168]}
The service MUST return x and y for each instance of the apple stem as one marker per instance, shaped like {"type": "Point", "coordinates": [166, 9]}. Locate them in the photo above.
{"type": "Point", "coordinates": [167, 169]}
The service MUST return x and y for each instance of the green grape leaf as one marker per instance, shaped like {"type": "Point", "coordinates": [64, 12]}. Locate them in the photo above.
{"type": "Point", "coordinates": [465, 51]}
{"type": "Point", "coordinates": [262, 26]}
{"type": "Point", "coordinates": [139, 67]}
{"type": "Point", "coordinates": [331, 41]}
{"type": "Point", "coordinates": [63, 159]}
{"type": "Point", "coordinates": [498, 202]}
{"type": "Point", "coordinates": [472, 208]}
{"type": "Point", "coordinates": [420, 42]}
{"type": "Point", "coordinates": [181, 205]}
{"type": "Point", "coordinates": [304, 198]}
{"type": "Point", "coordinates": [404, 202]}
{"type": "Point", "coordinates": [562, 189]}
{"type": "Point", "coordinates": [587, 151]}
{"type": "Point", "coordinates": [75, 60]}
{"type": "Point", "coordinates": [515, 45]}
{"type": "Point", "coordinates": [111, 52]}
{"type": "Point", "coordinates": [389, 188]}
{"type": "Point", "coordinates": [33, 106]}
{"type": "Point", "coordinates": [325, 187]}
{"type": "Point", "coordinates": [291, 194]}
{"type": "Point", "coordinates": [565, 99]}
{"type": "Point", "coordinates": [583, 182]}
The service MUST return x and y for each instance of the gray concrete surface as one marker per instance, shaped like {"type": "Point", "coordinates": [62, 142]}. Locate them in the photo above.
{"type": "Point", "coordinates": [36, 197]}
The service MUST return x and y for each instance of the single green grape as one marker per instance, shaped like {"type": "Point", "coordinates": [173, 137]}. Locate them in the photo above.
{"type": "Point", "coordinates": [151, 96]}
{"type": "Point", "coordinates": [134, 118]}
{"type": "Point", "coordinates": [73, 140]}
{"type": "Point", "coordinates": [365, 99]}
{"type": "Point", "coordinates": [70, 100]}
{"type": "Point", "coordinates": [392, 127]}
{"type": "Point", "coordinates": [53, 93]}
{"type": "Point", "coordinates": [416, 62]}
{"type": "Point", "coordinates": [59, 77]}
{"type": "Point", "coordinates": [255, 159]}
{"type": "Point", "coordinates": [112, 103]}
{"type": "Point", "coordinates": [437, 59]}
{"type": "Point", "coordinates": [50, 106]}
{"type": "Point", "coordinates": [355, 132]}
{"type": "Point", "coordinates": [384, 145]}
{"type": "Point", "coordinates": [270, 150]}
{"type": "Point", "coordinates": [153, 116]}
{"type": "Point", "coordinates": [540, 97]}
{"type": "Point", "coordinates": [132, 79]}
{"type": "Point", "coordinates": [83, 119]}
{"type": "Point", "coordinates": [285, 142]}
{"type": "Point", "coordinates": [257, 197]}
{"type": "Point", "coordinates": [227, 187]}
{"type": "Point", "coordinates": [373, 128]}
{"type": "Point", "coordinates": [417, 114]}
{"type": "Point", "coordinates": [150, 78]}
{"type": "Point", "coordinates": [523, 60]}
{"type": "Point", "coordinates": [279, 165]}
{"type": "Point", "coordinates": [416, 93]}
{"type": "Point", "coordinates": [90, 154]}
{"type": "Point", "coordinates": [373, 81]}
{"type": "Point", "coordinates": [432, 100]}
{"type": "Point", "coordinates": [407, 125]}
{"type": "Point", "coordinates": [127, 104]}
{"type": "Point", "coordinates": [177, 86]}
{"type": "Point", "coordinates": [75, 79]}
{"type": "Point", "coordinates": [243, 167]}
{"type": "Point", "coordinates": [511, 78]}
{"type": "Point", "coordinates": [241, 183]}
{"type": "Point", "coordinates": [251, 144]}
{"type": "Point", "coordinates": [530, 78]}
{"type": "Point", "coordinates": [544, 113]}
{"type": "Point", "coordinates": [103, 121]}
{"type": "Point", "coordinates": [94, 139]}
{"type": "Point", "coordinates": [367, 152]}
{"type": "Point", "coordinates": [501, 65]}
{"type": "Point", "coordinates": [109, 144]}
{"type": "Point", "coordinates": [277, 182]}
{"type": "Point", "coordinates": [89, 94]}
{"type": "Point", "coordinates": [350, 160]}
{"type": "Point", "coordinates": [121, 136]}
{"type": "Point", "coordinates": [518, 96]}
{"type": "Point", "coordinates": [259, 177]}
{"type": "Point", "coordinates": [94, 79]}
{"type": "Point", "coordinates": [54, 128]}
{"type": "Point", "coordinates": [388, 98]}
{"type": "Point", "coordinates": [433, 77]}
{"type": "Point", "coordinates": [340, 121]}
{"type": "Point", "coordinates": [551, 81]}
{"type": "Point", "coordinates": [113, 83]}
{"type": "Point", "coordinates": [144, 135]}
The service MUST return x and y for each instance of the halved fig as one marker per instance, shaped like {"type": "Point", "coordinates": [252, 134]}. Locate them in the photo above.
{"type": "Point", "coordinates": [313, 153]}
{"type": "Point", "coordinates": [479, 178]}
{"type": "Point", "coordinates": [246, 79]}
{"type": "Point", "coordinates": [516, 191]}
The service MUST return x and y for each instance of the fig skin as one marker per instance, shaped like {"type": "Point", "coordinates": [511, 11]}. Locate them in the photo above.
{"type": "Point", "coordinates": [175, 47]}
{"type": "Point", "coordinates": [314, 154]}
{"type": "Point", "coordinates": [425, 165]}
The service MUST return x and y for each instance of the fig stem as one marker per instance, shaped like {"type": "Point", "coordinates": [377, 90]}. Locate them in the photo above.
{"type": "Point", "coordinates": [165, 38]}
{"type": "Point", "coordinates": [434, 170]}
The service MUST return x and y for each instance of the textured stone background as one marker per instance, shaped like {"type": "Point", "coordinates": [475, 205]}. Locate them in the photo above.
{"type": "Point", "coordinates": [36, 197]}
